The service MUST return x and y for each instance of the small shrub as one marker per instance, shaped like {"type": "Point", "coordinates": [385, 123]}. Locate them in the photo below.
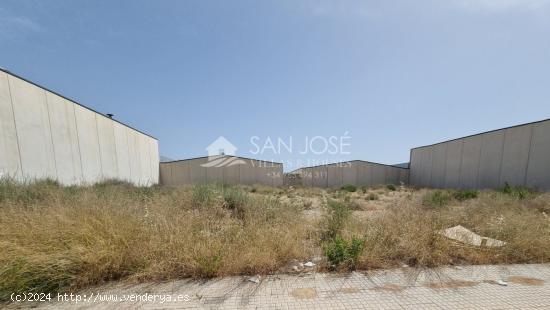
{"type": "Point", "coordinates": [203, 195]}
{"type": "Point", "coordinates": [353, 205]}
{"type": "Point", "coordinates": [391, 187]}
{"type": "Point", "coordinates": [342, 252]}
{"type": "Point", "coordinates": [372, 196]}
{"type": "Point", "coordinates": [349, 188]}
{"type": "Point", "coordinates": [208, 266]}
{"type": "Point", "coordinates": [235, 199]}
{"type": "Point", "coordinates": [436, 199]}
{"type": "Point", "coordinates": [337, 216]}
{"type": "Point", "coordinates": [465, 195]}
{"type": "Point", "coordinates": [516, 191]}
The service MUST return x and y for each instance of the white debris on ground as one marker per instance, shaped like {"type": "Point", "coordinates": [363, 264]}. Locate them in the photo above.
{"type": "Point", "coordinates": [464, 235]}
{"type": "Point", "coordinates": [309, 264]}
{"type": "Point", "coordinates": [502, 283]}
{"type": "Point", "coordinates": [255, 279]}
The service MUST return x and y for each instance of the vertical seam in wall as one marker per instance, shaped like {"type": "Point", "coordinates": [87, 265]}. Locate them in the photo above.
{"type": "Point", "coordinates": [461, 160]}
{"type": "Point", "coordinates": [528, 155]}
{"type": "Point", "coordinates": [116, 151]}
{"type": "Point", "coordinates": [170, 168]}
{"type": "Point", "coordinates": [51, 135]}
{"type": "Point", "coordinates": [129, 157]}
{"type": "Point", "coordinates": [150, 161]}
{"type": "Point", "coordinates": [445, 166]}
{"type": "Point", "coordinates": [479, 160]}
{"type": "Point", "coordinates": [501, 159]}
{"type": "Point", "coordinates": [432, 153]}
{"type": "Point", "coordinates": [78, 142]}
{"type": "Point", "coordinates": [15, 127]}
{"type": "Point", "coordinates": [99, 146]}
{"type": "Point", "coordinates": [431, 166]}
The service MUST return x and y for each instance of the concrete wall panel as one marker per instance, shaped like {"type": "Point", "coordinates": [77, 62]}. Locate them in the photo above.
{"type": "Point", "coordinates": [404, 176]}
{"type": "Point", "coordinates": [378, 175]}
{"type": "Point", "coordinates": [144, 159]}
{"type": "Point", "coordinates": [363, 177]}
{"type": "Point", "coordinates": [122, 153]}
{"type": "Point", "coordinates": [33, 130]}
{"type": "Point", "coordinates": [197, 173]}
{"type": "Point", "coordinates": [307, 177]}
{"type": "Point", "coordinates": [538, 172]}
{"type": "Point", "coordinates": [165, 171]}
{"type": "Point", "coordinates": [426, 166]}
{"type": "Point", "coordinates": [278, 175]}
{"type": "Point", "coordinates": [65, 139]}
{"type": "Point", "coordinates": [247, 175]}
{"type": "Point", "coordinates": [453, 164]}
{"type": "Point", "coordinates": [231, 174]}
{"type": "Point", "coordinates": [89, 145]}
{"type": "Point", "coordinates": [154, 159]}
{"type": "Point", "coordinates": [392, 175]}
{"type": "Point", "coordinates": [214, 175]}
{"type": "Point", "coordinates": [263, 174]}
{"type": "Point", "coordinates": [135, 158]}
{"type": "Point", "coordinates": [469, 170]}
{"type": "Point", "coordinates": [107, 147]}
{"type": "Point", "coordinates": [515, 155]}
{"type": "Point", "coordinates": [319, 175]}
{"type": "Point", "coordinates": [10, 165]}
{"type": "Point", "coordinates": [439, 158]}
{"type": "Point", "coordinates": [335, 175]}
{"type": "Point", "coordinates": [415, 168]}
{"type": "Point", "coordinates": [181, 173]}
{"type": "Point", "coordinates": [490, 159]}
{"type": "Point", "coordinates": [350, 172]}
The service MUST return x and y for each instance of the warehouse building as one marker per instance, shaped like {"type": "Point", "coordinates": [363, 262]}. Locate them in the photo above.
{"type": "Point", "coordinates": [44, 135]}
{"type": "Point", "coordinates": [225, 169]}
{"type": "Point", "coordinates": [518, 155]}
{"type": "Point", "coordinates": [356, 172]}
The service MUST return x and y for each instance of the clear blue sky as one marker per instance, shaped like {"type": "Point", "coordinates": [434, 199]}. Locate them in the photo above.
{"type": "Point", "coordinates": [392, 74]}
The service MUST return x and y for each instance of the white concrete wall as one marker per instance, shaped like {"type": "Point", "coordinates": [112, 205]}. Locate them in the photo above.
{"type": "Point", "coordinates": [44, 135]}
{"type": "Point", "coordinates": [357, 172]}
{"type": "Point", "coordinates": [65, 139]}
{"type": "Point", "coordinates": [10, 164]}
{"type": "Point", "coordinates": [519, 156]}
{"type": "Point", "coordinates": [191, 171]}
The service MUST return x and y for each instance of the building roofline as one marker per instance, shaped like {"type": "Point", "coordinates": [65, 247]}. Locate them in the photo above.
{"type": "Point", "coordinates": [73, 101]}
{"type": "Point", "coordinates": [481, 133]}
{"type": "Point", "coordinates": [201, 157]}
{"type": "Point", "coordinates": [349, 161]}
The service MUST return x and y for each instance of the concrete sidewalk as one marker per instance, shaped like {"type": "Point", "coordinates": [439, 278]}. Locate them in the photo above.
{"type": "Point", "coordinates": [473, 287]}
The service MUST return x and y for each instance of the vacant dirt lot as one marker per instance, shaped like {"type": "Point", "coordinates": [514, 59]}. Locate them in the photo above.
{"type": "Point", "coordinates": [57, 238]}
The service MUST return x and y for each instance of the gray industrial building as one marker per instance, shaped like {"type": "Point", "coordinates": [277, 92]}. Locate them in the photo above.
{"type": "Point", "coordinates": [356, 172]}
{"type": "Point", "coordinates": [222, 169]}
{"type": "Point", "coordinates": [518, 155]}
{"type": "Point", "coordinates": [45, 135]}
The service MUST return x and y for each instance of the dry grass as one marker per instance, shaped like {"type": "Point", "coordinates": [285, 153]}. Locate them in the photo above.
{"type": "Point", "coordinates": [56, 238]}
{"type": "Point", "coordinates": [406, 233]}
{"type": "Point", "coordinates": [60, 238]}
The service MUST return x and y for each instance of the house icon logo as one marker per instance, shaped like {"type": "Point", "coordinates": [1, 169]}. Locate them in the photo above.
{"type": "Point", "coordinates": [221, 153]}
